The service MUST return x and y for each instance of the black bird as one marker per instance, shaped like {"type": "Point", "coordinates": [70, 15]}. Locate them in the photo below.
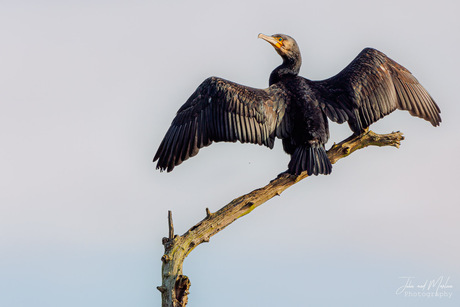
{"type": "Point", "coordinates": [294, 109]}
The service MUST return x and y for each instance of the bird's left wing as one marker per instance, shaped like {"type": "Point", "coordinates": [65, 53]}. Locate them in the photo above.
{"type": "Point", "coordinates": [220, 110]}
{"type": "Point", "coordinates": [369, 88]}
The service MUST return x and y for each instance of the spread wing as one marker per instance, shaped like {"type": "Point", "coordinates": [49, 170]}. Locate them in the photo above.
{"type": "Point", "coordinates": [369, 88]}
{"type": "Point", "coordinates": [220, 110]}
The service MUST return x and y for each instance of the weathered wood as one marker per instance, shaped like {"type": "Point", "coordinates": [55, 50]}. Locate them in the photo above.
{"type": "Point", "coordinates": [175, 287]}
{"type": "Point", "coordinates": [170, 224]}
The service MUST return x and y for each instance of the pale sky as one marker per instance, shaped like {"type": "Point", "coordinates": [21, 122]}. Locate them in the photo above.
{"type": "Point", "coordinates": [87, 92]}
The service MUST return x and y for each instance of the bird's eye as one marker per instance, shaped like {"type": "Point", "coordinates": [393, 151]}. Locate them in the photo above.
{"type": "Point", "coordinates": [280, 39]}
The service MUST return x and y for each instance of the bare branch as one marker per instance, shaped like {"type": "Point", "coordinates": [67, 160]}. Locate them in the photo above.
{"type": "Point", "coordinates": [175, 285]}
{"type": "Point", "coordinates": [171, 226]}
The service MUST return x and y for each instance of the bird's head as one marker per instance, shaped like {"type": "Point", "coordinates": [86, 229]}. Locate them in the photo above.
{"type": "Point", "coordinates": [285, 45]}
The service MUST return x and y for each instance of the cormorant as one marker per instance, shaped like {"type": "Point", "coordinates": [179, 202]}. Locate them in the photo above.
{"type": "Point", "coordinates": [294, 108]}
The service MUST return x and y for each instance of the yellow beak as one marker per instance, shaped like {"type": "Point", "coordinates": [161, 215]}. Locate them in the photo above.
{"type": "Point", "coordinates": [274, 42]}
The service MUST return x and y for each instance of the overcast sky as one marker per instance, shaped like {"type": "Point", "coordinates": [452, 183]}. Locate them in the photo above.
{"type": "Point", "coordinates": [87, 92]}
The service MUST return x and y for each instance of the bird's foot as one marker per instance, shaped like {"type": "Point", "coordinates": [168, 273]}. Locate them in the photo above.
{"type": "Point", "coordinates": [364, 131]}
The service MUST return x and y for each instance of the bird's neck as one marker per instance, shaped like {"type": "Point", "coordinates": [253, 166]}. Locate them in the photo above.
{"type": "Point", "coordinates": [290, 67]}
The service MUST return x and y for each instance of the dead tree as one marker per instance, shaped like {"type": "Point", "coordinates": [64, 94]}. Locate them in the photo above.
{"type": "Point", "coordinates": [175, 285]}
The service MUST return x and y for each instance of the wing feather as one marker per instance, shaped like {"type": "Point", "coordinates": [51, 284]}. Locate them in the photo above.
{"type": "Point", "coordinates": [371, 87]}
{"type": "Point", "coordinates": [220, 110]}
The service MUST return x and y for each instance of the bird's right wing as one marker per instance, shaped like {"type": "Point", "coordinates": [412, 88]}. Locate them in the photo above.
{"type": "Point", "coordinates": [220, 110]}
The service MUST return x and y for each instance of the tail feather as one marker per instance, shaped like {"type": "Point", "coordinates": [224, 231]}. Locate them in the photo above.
{"type": "Point", "coordinates": [312, 159]}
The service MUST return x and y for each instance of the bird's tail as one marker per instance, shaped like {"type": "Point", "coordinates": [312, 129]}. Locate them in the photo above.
{"type": "Point", "coordinates": [312, 159]}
